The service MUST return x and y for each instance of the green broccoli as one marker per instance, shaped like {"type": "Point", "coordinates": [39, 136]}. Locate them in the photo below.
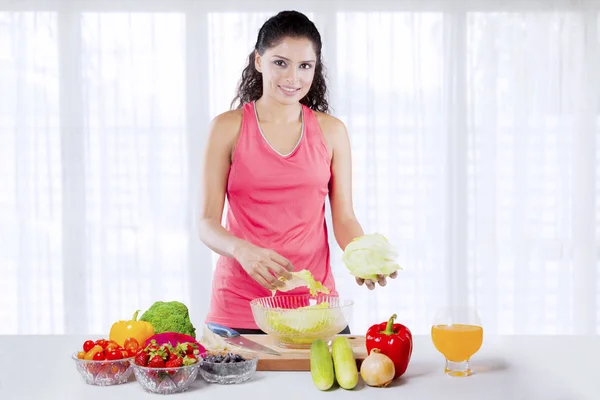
{"type": "Point", "coordinates": [171, 316]}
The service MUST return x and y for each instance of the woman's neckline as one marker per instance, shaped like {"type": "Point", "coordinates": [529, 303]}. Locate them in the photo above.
{"type": "Point", "coordinates": [267, 140]}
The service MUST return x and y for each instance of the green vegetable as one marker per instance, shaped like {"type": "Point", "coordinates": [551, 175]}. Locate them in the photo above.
{"type": "Point", "coordinates": [297, 321]}
{"type": "Point", "coordinates": [171, 316]}
{"type": "Point", "coordinates": [302, 278]}
{"type": "Point", "coordinates": [346, 371]}
{"type": "Point", "coordinates": [321, 365]}
{"type": "Point", "coordinates": [370, 255]}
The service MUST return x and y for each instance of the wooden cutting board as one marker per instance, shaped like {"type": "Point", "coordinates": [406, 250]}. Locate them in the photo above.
{"type": "Point", "coordinates": [298, 359]}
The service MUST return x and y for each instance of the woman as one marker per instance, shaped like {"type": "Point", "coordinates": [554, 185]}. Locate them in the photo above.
{"type": "Point", "coordinates": [276, 156]}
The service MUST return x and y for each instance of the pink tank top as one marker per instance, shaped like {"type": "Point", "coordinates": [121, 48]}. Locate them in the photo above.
{"type": "Point", "coordinates": [275, 201]}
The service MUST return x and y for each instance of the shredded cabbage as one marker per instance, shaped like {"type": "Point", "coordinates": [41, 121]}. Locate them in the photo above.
{"type": "Point", "coordinates": [370, 255]}
{"type": "Point", "coordinates": [296, 321]}
{"type": "Point", "coordinates": [299, 279]}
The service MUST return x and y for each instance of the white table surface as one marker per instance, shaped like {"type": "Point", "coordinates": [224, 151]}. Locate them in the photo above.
{"type": "Point", "coordinates": [506, 368]}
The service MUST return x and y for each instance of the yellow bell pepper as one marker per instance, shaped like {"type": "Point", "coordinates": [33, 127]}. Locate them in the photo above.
{"type": "Point", "coordinates": [140, 330]}
{"type": "Point", "coordinates": [90, 354]}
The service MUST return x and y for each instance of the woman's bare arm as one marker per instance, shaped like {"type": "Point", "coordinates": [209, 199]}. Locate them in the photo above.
{"type": "Point", "coordinates": [222, 136]}
{"type": "Point", "coordinates": [345, 224]}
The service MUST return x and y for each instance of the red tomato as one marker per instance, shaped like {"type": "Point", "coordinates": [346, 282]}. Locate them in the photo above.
{"type": "Point", "coordinates": [131, 344]}
{"type": "Point", "coordinates": [125, 353]}
{"type": "Point", "coordinates": [130, 353]}
{"type": "Point", "coordinates": [114, 355]}
{"type": "Point", "coordinates": [87, 345]}
{"type": "Point", "coordinates": [99, 356]}
{"type": "Point", "coordinates": [112, 346]}
{"type": "Point", "coordinates": [102, 342]}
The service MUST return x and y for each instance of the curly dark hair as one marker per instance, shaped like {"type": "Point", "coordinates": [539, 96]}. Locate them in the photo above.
{"type": "Point", "coordinates": [285, 24]}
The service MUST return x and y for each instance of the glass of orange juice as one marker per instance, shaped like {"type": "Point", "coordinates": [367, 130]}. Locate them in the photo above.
{"type": "Point", "coordinates": [457, 334]}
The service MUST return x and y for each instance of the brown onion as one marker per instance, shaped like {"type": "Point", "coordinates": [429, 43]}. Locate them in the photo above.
{"type": "Point", "coordinates": [377, 369]}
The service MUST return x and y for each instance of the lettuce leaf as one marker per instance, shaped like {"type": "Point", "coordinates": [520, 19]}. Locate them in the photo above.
{"type": "Point", "coordinates": [299, 279]}
{"type": "Point", "coordinates": [370, 255]}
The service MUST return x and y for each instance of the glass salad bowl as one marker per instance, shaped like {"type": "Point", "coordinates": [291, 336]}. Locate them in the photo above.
{"type": "Point", "coordinates": [104, 372]}
{"type": "Point", "coordinates": [166, 380]}
{"type": "Point", "coordinates": [295, 321]}
{"type": "Point", "coordinates": [227, 368]}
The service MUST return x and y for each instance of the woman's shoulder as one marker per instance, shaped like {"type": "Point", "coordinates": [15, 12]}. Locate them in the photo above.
{"type": "Point", "coordinates": [225, 128]}
{"type": "Point", "coordinates": [228, 119]}
{"type": "Point", "coordinates": [227, 124]}
{"type": "Point", "coordinates": [331, 126]}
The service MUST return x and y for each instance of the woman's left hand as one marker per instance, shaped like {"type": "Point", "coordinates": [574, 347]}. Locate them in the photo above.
{"type": "Point", "coordinates": [382, 280]}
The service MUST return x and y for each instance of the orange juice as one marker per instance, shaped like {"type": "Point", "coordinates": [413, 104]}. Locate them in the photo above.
{"type": "Point", "coordinates": [457, 342]}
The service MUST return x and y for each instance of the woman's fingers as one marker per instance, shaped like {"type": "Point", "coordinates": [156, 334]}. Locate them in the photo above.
{"type": "Point", "coordinates": [261, 280]}
{"type": "Point", "coordinates": [281, 260]}
{"type": "Point", "coordinates": [279, 271]}
{"type": "Point", "coordinates": [381, 280]}
{"type": "Point", "coordinates": [275, 283]}
{"type": "Point", "coordinates": [265, 278]}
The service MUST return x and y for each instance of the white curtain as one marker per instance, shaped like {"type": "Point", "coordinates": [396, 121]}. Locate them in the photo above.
{"type": "Point", "coordinates": [474, 129]}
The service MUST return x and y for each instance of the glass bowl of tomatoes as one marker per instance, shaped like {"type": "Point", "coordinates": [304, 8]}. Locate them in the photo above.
{"type": "Point", "coordinates": [104, 362]}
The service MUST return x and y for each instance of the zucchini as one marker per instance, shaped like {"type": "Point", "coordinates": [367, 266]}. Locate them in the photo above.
{"type": "Point", "coordinates": [346, 371]}
{"type": "Point", "coordinates": [321, 365]}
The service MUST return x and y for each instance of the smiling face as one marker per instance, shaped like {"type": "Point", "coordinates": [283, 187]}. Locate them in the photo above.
{"type": "Point", "coordinates": [287, 69]}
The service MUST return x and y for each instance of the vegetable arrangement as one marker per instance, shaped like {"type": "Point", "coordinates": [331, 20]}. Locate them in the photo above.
{"type": "Point", "coordinates": [127, 337]}
{"type": "Point", "coordinates": [103, 349]}
{"type": "Point", "coordinates": [159, 348]}
{"type": "Point", "coordinates": [164, 336]}
{"type": "Point", "coordinates": [389, 349]}
{"type": "Point", "coordinates": [339, 365]}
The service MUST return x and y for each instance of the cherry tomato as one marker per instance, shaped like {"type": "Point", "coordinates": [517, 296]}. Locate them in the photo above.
{"type": "Point", "coordinates": [87, 345]}
{"type": "Point", "coordinates": [99, 356]}
{"type": "Point", "coordinates": [102, 342]}
{"type": "Point", "coordinates": [125, 353]}
{"type": "Point", "coordinates": [112, 346]}
{"type": "Point", "coordinates": [114, 355]}
{"type": "Point", "coordinates": [131, 344]}
{"type": "Point", "coordinates": [130, 353]}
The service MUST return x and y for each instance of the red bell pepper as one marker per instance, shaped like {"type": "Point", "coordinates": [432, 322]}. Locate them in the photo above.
{"type": "Point", "coordinates": [393, 340]}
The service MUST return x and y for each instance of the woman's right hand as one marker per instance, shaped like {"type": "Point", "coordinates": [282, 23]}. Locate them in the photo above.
{"type": "Point", "coordinates": [265, 266]}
